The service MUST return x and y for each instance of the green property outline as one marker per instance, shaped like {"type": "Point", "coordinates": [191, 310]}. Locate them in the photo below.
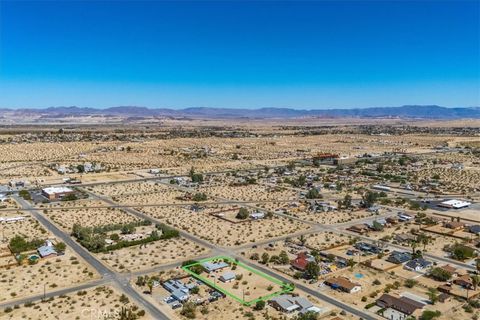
{"type": "Point", "coordinates": [287, 287]}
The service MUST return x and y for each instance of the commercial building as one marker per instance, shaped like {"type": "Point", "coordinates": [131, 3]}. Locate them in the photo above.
{"type": "Point", "coordinates": [454, 204]}
{"type": "Point", "coordinates": [55, 193]}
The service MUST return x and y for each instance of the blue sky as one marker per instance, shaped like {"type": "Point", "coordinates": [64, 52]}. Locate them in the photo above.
{"type": "Point", "coordinates": [316, 54]}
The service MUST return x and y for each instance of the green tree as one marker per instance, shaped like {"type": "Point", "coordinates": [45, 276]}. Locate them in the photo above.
{"type": "Point", "coordinates": [242, 214]}
{"type": "Point", "coordinates": [432, 295]}
{"type": "Point", "coordinates": [312, 270]}
{"type": "Point", "coordinates": [429, 315]}
{"type": "Point", "coordinates": [60, 247]}
{"type": "Point", "coordinates": [265, 258]}
{"type": "Point", "coordinates": [440, 274]}
{"type": "Point", "coordinates": [259, 305]}
{"type": "Point", "coordinates": [188, 310]}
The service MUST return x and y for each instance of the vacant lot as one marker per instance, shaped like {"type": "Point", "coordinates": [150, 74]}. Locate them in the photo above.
{"type": "Point", "coordinates": [95, 303]}
{"type": "Point", "coordinates": [222, 232]}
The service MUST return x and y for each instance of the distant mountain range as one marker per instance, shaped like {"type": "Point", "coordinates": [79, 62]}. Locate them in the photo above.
{"type": "Point", "coordinates": [409, 111]}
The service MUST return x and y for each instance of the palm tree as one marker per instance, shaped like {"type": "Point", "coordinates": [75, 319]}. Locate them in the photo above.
{"type": "Point", "coordinates": [414, 245]}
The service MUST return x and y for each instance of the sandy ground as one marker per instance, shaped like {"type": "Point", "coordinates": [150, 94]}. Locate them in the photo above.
{"type": "Point", "coordinates": [95, 303]}
{"type": "Point", "coordinates": [66, 218]}
{"type": "Point", "coordinates": [223, 232]}
{"type": "Point", "coordinates": [155, 253]}
{"type": "Point", "coordinates": [53, 272]}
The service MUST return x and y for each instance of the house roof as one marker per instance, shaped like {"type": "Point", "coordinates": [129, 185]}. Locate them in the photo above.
{"type": "Point", "coordinates": [402, 304]}
{"type": "Point", "coordinates": [449, 268]}
{"type": "Point", "coordinates": [399, 257]}
{"type": "Point", "coordinates": [228, 276]}
{"type": "Point", "coordinates": [44, 251]}
{"type": "Point", "coordinates": [342, 282]}
{"type": "Point", "coordinates": [418, 262]}
{"type": "Point", "coordinates": [285, 302]}
{"type": "Point", "coordinates": [213, 266]}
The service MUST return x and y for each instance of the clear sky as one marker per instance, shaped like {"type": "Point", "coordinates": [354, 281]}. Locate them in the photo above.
{"type": "Point", "coordinates": [316, 54]}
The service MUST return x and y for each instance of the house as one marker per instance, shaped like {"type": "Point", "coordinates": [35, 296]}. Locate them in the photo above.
{"type": "Point", "coordinates": [454, 225]}
{"type": "Point", "coordinates": [287, 303]}
{"type": "Point", "coordinates": [474, 229]}
{"type": "Point", "coordinates": [227, 277]}
{"type": "Point", "coordinates": [343, 284]}
{"type": "Point", "coordinates": [284, 303]}
{"type": "Point", "coordinates": [359, 228]}
{"type": "Point", "coordinates": [403, 305]}
{"type": "Point", "coordinates": [398, 257]}
{"type": "Point", "coordinates": [214, 266]}
{"type": "Point", "coordinates": [178, 290]}
{"type": "Point", "coordinates": [448, 268]}
{"type": "Point", "coordinates": [392, 220]}
{"type": "Point", "coordinates": [365, 247]}
{"type": "Point", "coordinates": [418, 264]}
{"type": "Point", "coordinates": [405, 237]}
{"type": "Point", "coordinates": [46, 250]}
{"type": "Point", "coordinates": [55, 193]}
{"type": "Point", "coordinates": [464, 281]}
{"type": "Point", "coordinates": [454, 204]}
{"type": "Point", "coordinates": [301, 261]}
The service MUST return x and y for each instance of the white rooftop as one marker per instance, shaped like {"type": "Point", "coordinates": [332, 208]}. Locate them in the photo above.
{"type": "Point", "coordinates": [456, 203]}
{"type": "Point", "coordinates": [53, 190]}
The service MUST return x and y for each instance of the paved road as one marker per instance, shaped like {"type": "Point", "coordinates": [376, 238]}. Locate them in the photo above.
{"type": "Point", "coordinates": [120, 281]}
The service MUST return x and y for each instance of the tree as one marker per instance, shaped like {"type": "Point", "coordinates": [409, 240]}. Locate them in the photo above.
{"type": "Point", "coordinates": [60, 247]}
{"type": "Point", "coordinates": [199, 196]}
{"type": "Point", "coordinates": [429, 315]}
{"type": "Point", "coordinates": [128, 229]}
{"type": "Point", "coordinates": [126, 314]}
{"type": "Point", "coordinates": [475, 281]}
{"type": "Point", "coordinates": [461, 252]}
{"type": "Point", "coordinates": [310, 315]}
{"type": "Point", "coordinates": [440, 274]}
{"type": "Point", "coordinates": [259, 305]}
{"type": "Point", "coordinates": [150, 285]}
{"type": "Point", "coordinates": [188, 310]}
{"type": "Point", "coordinates": [265, 258]}
{"type": "Point", "coordinates": [313, 194]}
{"type": "Point", "coordinates": [369, 198]}
{"type": "Point", "coordinates": [312, 270]}
{"type": "Point", "coordinates": [283, 257]}
{"type": "Point", "coordinates": [347, 201]}
{"type": "Point", "coordinates": [195, 290]}
{"type": "Point", "coordinates": [242, 214]}
{"type": "Point", "coordinates": [377, 226]}
{"type": "Point", "coordinates": [432, 295]}
{"type": "Point", "coordinates": [302, 240]}
{"type": "Point", "coordinates": [424, 240]}
{"type": "Point", "coordinates": [410, 283]}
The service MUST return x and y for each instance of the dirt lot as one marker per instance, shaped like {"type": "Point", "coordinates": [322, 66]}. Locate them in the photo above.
{"type": "Point", "coordinates": [95, 303]}
{"type": "Point", "coordinates": [53, 272]}
{"type": "Point", "coordinates": [66, 218]}
{"type": "Point", "coordinates": [133, 258]}
{"type": "Point", "coordinates": [223, 232]}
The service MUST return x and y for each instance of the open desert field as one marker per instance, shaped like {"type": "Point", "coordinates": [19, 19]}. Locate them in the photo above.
{"type": "Point", "coordinates": [95, 303]}
{"type": "Point", "coordinates": [137, 258]}
{"type": "Point", "coordinates": [51, 273]}
{"type": "Point", "coordinates": [222, 232]}
{"type": "Point", "coordinates": [66, 218]}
